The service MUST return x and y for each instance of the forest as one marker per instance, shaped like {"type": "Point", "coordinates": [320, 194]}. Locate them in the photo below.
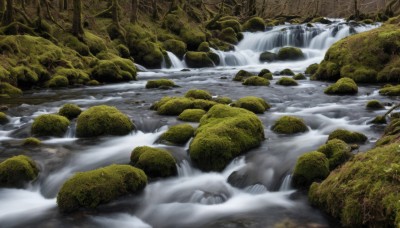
{"type": "Point", "coordinates": [200, 113]}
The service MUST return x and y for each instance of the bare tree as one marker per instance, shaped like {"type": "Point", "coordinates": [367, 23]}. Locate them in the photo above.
{"type": "Point", "coordinates": [77, 28]}
{"type": "Point", "coordinates": [8, 17]}
{"type": "Point", "coordinates": [135, 11]}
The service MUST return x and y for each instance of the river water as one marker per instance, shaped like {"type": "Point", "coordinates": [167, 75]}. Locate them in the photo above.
{"type": "Point", "coordinates": [253, 191]}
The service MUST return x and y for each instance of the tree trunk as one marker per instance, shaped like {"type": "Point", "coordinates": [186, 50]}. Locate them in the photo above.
{"type": "Point", "coordinates": [252, 7]}
{"type": "Point", "coordinates": [174, 5]}
{"type": "Point", "coordinates": [77, 28]}
{"type": "Point", "coordinates": [8, 17]}
{"type": "Point", "coordinates": [135, 11]}
{"type": "Point", "coordinates": [65, 4]}
{"type": "Point", "coordinates": [115, 13]}
{"type": "Point", "coordinates": [2, 5]}
{"type": "Point", "coordinates": [155, 10]}
{"type": "Point", "coordinates": [60, 5]}
{"type": "Point", "coordinates": [356, 11]}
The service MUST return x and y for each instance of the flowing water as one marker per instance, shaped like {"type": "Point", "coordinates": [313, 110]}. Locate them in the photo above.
{"type": "Point", "coordinates": [253, 191]}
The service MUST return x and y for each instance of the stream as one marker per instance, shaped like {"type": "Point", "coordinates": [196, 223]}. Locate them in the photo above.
{"type": "Point", "coordinates": [253, 191]}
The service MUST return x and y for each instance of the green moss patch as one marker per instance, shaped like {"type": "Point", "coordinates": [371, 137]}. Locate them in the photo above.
{"type": "Point", "coordinates": [289, 125]}
{"type": "Point", "coordinates": [343, 86]}
{"type": "Point", "coordinates": [50, 125]}
{"type": "Point", "coordinates": [390, 91]}
{"type": "Point", "coordinates": [192, 115]}
{"type": "Point", "coordinates": [290, 53]}
{"type": "Point", "coordinates": [286, 81]}
{"type": "Point", "coordinates": [178, 134]}
{"type": "Point", "coordinates": [310, 167]}
{"type": "Point", "coordinates": [374, 104]}
{"type": "Point", "coordinates": [348, 136]}
{"type": "Point", "coordinates": [253, 104]}
{"type": "Point", "coordinates": [71, 111]}
{"type": "Point", "coordinates": [198, 94]}
{"type": "Point", "coordinates": [337, 152]}
{"type": "Point", "coordinates": [256, 81]}
{"type": "Point", "coordinates": [287, 72]}
{"type": "Point", "coordinates": [160, 83]}
{"type": "Point", "coordinates": [155, 162]}
{"type": "Point", "coordinates": [254, 24]}
{"type": "Point", "coordinates": [17, 171]}
{"type": "Point", "coordinates": [3, 118]}
{"type": "Point", "coordinates": [242, 75]}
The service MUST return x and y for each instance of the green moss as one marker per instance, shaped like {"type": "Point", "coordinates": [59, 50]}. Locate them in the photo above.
{"type": "Point", "coordinates": [379, 120]}
{"type": "Point", "coordinates": [223, 134]}
{"type": "Point", "coordinates": [95, 43]}
{"type": "Point", "coordinates": [92, 188]}
{"type": "Point", "coordinates": [223, 100]}
{"type": "Point", "coordinates": [256, 81]}
{"type": "Point", "coordinates": [390, 91]}
{"type": "Point", "coordinates": [103, 120]}
{"type": "Point", "coordinates": [327, 70]}
{"type": "Point", "coordinates": [179, 134]}
{"type": "Point", "coordinates": [310, 167]}
{"type": "Point", "coordinates": [203, 104]}
{"type": "Point", "coordinates": [204, 47]}
{"type": "Point", "coordinates": [146, 52]}
{"type": "Point", "coordinates": [179, 48]}
{"type": "Point", "coordinates": [71, 111]}
{"type": "Point", "coordinates": [74, 76]}
{"type": "Point", "coordinates": [286, 81]}
{"type": "Point", "coordinates": [347, 136]}
{"type": "Point", "coordinates": [290, 53]}
{"type": "Point", "coordinates": [198, 94]}
{"type": "Point", "coordinates": [173, 23]}
{"type": "Point", "coordinates": [8, 90]}
{"type": "Point", "coordinates": [198, 59]}
{"type": "Point", "coordinates": [193, 37]}
{"type": "Point", "coordinates": [241, 75]}
{"type": "Point", "coordinates": [263, 72]}
{"type": "Point", "coordinates": [312, 69]}
{"type": "Point", "coordinates": [231, 23]}
{"type": "Point", "coordinates": [342, 87]}
{"type": "Point", "coordinates": [374, 104]}
{"type": "Point", "coordinates": [268, 76]}
{"type": "Point", "coordinates": [31, 141]}
{"type": "Point", "coordinates": [93, 83]}
{"type": "Point", "coordinates": [3, 118]}
{"type": "Point", "coordinates": [80, 47]}
{"type": "Point", "coordinates": [228, 35]}
{"type": "Point", "coordinates": [114, 70]}
{"type": "Point", "coordinates": [299, 76]}
{"type": "Point", "coordinates": [254, 24]}
{"type": "Point", "coordinates": [16, 171]}
{"type": "Point", "coordinates": [221, 45]}
{"type": "Point", "coordinates": [154, 162]}
{"type": "Point", "coordinates": [364, 191]}
{"type": "Point", "coordinates": [321, 20]}
{"type": "Point", "coordinates": [337, 152]}
{"type": "Point", "coordinates": [58, 82]}
{"type": "Point", "coordinates": [287, 72]}
{"type": "Point", "coordinates": [268, 56]}
{"type": "Point", "coordinates": [192, 115]}
{"type": "Point", "coordinates": [50, 125]}
{"type": "Point", "coordinates": [174, 106]}
{"type": "Point", "coordinates": [163, 83]}
{"type": "Point", "coordinates": [25, 76]}
{"type": "Point", "coordinates": [253, 104]}
{"type": "Point", "coordinates": [289, 125]}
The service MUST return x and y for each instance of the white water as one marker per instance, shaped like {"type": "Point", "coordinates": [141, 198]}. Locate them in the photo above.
{"type": "Point", "coordinates": [176, 63]}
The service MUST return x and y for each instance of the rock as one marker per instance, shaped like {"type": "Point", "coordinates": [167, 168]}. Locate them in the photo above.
{"type": "Point", "coordinates": [241, 75]}
{"type": "Point", "coordinates": [177, 47]}
{"type": "Point", "coordinates": [70, 111]}
{"type": "Point", "coordinates": [287, 72]}
{"type": "Point", "coordinates": [192, 115]}
{"type": "Point", "coordinates": [31, 142]}
{"type": "Point", "coordinates": [50, 125]}
{"type": "Point", "coordinates": [178, 134]}
{"type": "Point", "coordinates": [347, 136]}
{"type": "Point", "coordinates": [285, 81]}
{"type": "Point", "coordinates": [374, 104]}
{"type": "Point", "coordinates": [256, 81]}
{"type": "Point", "coordinates": [160, 83]}
{"type": "Point", "coordinates": [344, 86]}
{"type": "Point", "coordinates": [254, 24]}
{"type": "Point", "coordinates": [198, 59]}
{"type": "Point", "coordinates": [289, 125]}
{"type": "Point", "coordinates": [3, 118]}
{"type": "Point", "coordinates": [312, 69]}
{"type": "Point", "coordinates": [198, 94]}
{"type": "Point", "coordinates": [299, 76]}
{"type": "Point", "coordinates": [290, 53]}
{"type": "Point", "coordinates": [155, 162]}
{"type": "Point", "coordinates": [15, 172]}
{"type": "Point", "coordinates": [268, 57]}
{"type": "Point", "coordinates": [337, 152]}
{"type": "Point", "coordinates": [253, 104]}
{"type": "Point", "coordinates": [390, 91]}
{"type": "Point", "coordinates": [310, 167]}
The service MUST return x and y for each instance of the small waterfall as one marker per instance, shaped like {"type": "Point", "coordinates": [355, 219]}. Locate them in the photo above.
{"type": "Point", "coordinates": [176, 63]}
{"type": "Point", "coordinates": [286, 184]}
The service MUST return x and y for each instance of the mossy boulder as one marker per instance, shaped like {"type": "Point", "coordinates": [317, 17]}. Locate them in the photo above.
{"type": "Point", "coordinates": [287, 72]}
{"type": "Point", "coordinates": [25, 76]}
{"type": "Point", "coordinates": [155, 162]}
{"type": "Point", "coordinates": [50, 125]}
{"type": "Point", "coordinates": [312, 69]}
{"type": "Point", "coordinates": [268, 56]}
{"type": "Point", "coordinates": [198, 59]}
{"type": "Point", "coordinates": [58, 82]}
{"type": "Point", "coordinates": [173, 106]}
{"type": "Point", "coordinates": [299, 76]}
{"type": "Point", "coordinates": [290, 53]}
{"type": "Point", "coordinates": [192, 115]}
{"type": "Point", "coordinates": [337, 152]}
{"type": "Point", "coordinates": [253, 104]}
{"type": "Point", "coordinates": [74, 76]}
{"type": "Point", "coordinates": [289, 125]}
{"type": "Point", "coordinates": [223, 100]}
{"type": "Point", "coordinates": [390, 91]}
{"type": "Point", "coordinates": [160, 83]}
{"type": "Point", "coordinates": [204, 47]}
{"type": "Point", "coordinates": [223, 134]}
{"type": "Point", "coordinates": [71, 111]}
{"type": "Point", "coordinates": [177, 47]}
{"type": "Point", "coordinates": [231, 23]}
{"type": "Point", "coordinates": [93, 188]}
{"type": "Point", "coordinates": [374, 104]}
{"type": "Point", "coordinates": [103, 120]}
{"type": "Point", "coordinates": [379, 120]}
{"type": "Point", "coordinates": [321, 20]}
{"type": "Point", "coordinates": [310, 167]}
{"type": "Point", "coordinates": [7, 90]}
{"type": "Point", "coordinates": [263, 72]}
{"type": "Point", "coordinates": [198, 94]}
{"type": "Point", "coordinates": [3, 118]}
{"type": "Point", "coordinates": [228, 35]}
{"type": "Point", "coordinates": [347, 136]}
{"type": "Point", "coordinates": [31, 141]}
{"type": "Point", "coordinates": [114, 70]}
{"type": "Point", "coordinates": [256, 81]}
{"type": "Point", "coordinates": [193, 37]}
{"type": "Point", "coordinates": [203, 104]}
{"type": "Point", "coordinates": [364, 191]}
{"type": "Point", "coordinates": [178, 134]}
{"type": "Point", "coordinates": [255, 24]}
{"type": "Point", "coordinates": [241, 75]}
{"type": "Point", "coordinates": [344, 86]}
{"type": "Point", "coordinates": [17, 171]}
{"type": "Point", "coordinates": [286, 81]}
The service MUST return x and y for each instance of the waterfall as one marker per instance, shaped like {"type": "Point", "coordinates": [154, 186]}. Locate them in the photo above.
{"type": "Point", "coordinates": [176, 63]}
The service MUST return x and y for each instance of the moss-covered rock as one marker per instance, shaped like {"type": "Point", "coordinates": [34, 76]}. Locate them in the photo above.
{"type": "Point", "coordinates": [17, 171]}
{"type": "Point", "coordinates": [7, 90]}
{"type": "Point", "coordinates": [160, 83]}
{"type": "Point", "coordinates": [192, 115]}
{"type": "Point", "coordinates": [178, 134]}
{"type": "Point", "coordinates": [93, 83]}
{"type": "Point", "coordinates": [31, 141]}
{"type": "Point", "coordinates": [3, 118]}
{"type": "Point", "coordinates": [71, 111]}
{"type": "Point", "coordinates": [92, 188]}
{"type": "Point", "coordinates": [58, 82]}
{"type": "Point", "coordinates": [287, 72]}
{"type": "Point", "coordinates": [299, 76]}
{"type": "Point", "coordinates": [255, 24]}
{"type": "Point", "coordinates": [103, 120]}
{"type": "Point", "coordinates": [223, 134]}
{"type": "Point", "coordinates": [374, 104]}
{"type": "Point", "coordinates": [347, 136]}
{"type": "Point", "coordinates": [289, 125]}
{"type": "Point", "coordinates": [290, 53]}
{"type": "Point", "coordinates": [177, 47]}
{"type": "Point", "coordinates": [253, 104]}
{"type": "Point", "coordinates": [146, 52]}
{"type": "Point", "coordinates": [231, 23]}
{"type": "Point", "coordinates": [198, 59]}
{"type": "Point", "coordinates": [173, 106]}
{"type": "Point", "coordinates": [379, 120]}
{"type": "Point", "coordinates": [50, 125]}
{"type": "Point", "coordinates": [310, 167]}
{"type": "Point", "coordinates": [263, 72]}
{"type": "Point", "coordinates": [256, 81]}
{"type": "Point", "coordinates": [268, 56]}
{"type": "Point", "coordinates": [286, 81]}
{"type": "Point", "coordinates": [321, 20]}
{"type": "Point", "coordinates": [193, 37]}
{"type": "Point", "coordinates": [312, 69]}
{"type": "Point", "coordinates": [223, 100]}
{"type": "Point", "coordinates": [204, 47]}
{"type": "Point", "coordinates": [74, 76]}
{"type": "Point", "coordinates": [26, 77]}
{"type": "Point", "coordinates": [241, 75]}
{"type": "Point", "coordinates": [198, 94]}
{"type": "Point", "coordinates": [337, 152]}
{"type": "Point", "coordinates": [343, 86]}
{"type": "Point", "coordinates": [390, 91]}
{"type": "Point", "coordinates": [203, 104]}
{"type": "Point", "coordinates": [364, 191]}
{"type": "Point", "coordinates": [228, 35]}
{"type": "Point", "coordinates": [114, 70]}
{"type": "Point", "coordinates": [154, 162]}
